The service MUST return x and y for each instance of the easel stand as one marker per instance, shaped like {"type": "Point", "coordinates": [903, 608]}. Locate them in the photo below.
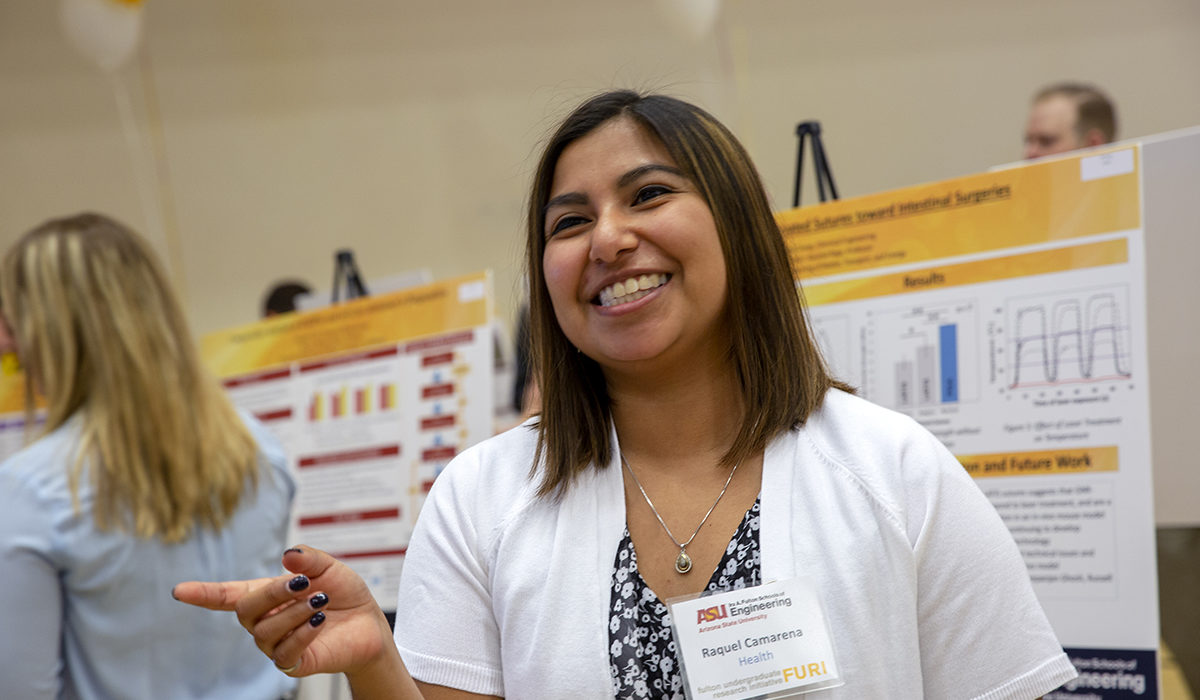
{"type": "Point", "coordinates": [812, 130]}
{"type": "Point", "coordinates": [345, 274]}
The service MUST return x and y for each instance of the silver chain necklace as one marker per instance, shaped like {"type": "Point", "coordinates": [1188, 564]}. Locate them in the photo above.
{"type": "Point", "coordinates": [683, 563]}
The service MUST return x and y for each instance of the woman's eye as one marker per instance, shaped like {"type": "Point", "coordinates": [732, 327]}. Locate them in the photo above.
{"type": "Point", "coordinates": [565, 223]}
{"type": "Point", "coordinates": [649, 192]}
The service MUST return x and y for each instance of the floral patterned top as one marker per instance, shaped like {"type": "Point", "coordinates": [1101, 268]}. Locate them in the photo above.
{"type": "Point", "coordinates": [644, 660]}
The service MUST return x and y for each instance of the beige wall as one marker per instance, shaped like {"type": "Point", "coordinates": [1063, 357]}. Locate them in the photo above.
{"type": "Point", "coordinates": [288, 128]}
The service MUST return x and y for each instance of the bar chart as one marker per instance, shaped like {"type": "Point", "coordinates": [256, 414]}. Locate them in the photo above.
{"type": "Point", "coordinates": [923, 356]}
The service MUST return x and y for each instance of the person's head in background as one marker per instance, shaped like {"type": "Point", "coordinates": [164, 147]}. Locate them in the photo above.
{"type": "Point", "coordinates": [1067, 116]}
{"type": "Point", "coordinates": [281, 298]}
{"type": "Point", "coordinates": [101, 335]}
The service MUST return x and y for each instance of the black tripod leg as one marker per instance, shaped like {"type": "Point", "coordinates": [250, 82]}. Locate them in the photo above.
{"type": "Point", "coordinates": [825, 173]}
{"type": "Point", "coordinates": [799, 167]}
{"type": "Point", "coordinates": [337, 278]}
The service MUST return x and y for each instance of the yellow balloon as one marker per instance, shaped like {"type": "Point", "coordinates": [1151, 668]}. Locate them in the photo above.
{"type": "Point", "coordinates": [694, 19]}
{"type": "Point", "coordinates": [106, 32]}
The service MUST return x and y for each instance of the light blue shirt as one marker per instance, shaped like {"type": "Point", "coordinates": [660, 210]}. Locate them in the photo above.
{"type": "Point", "coordinates": [89, 614]}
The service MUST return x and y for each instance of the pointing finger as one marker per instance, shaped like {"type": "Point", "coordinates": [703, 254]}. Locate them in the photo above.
{"type": "Point", "coordinates": [223, 595]}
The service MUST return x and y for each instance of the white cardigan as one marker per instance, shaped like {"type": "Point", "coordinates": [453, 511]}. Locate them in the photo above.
{"type": "Point", "coordinates": [926, 594]}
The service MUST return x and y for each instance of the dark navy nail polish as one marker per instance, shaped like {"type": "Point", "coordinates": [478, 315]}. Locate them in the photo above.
{"type": "Point", "coordinates": [293, 549]}
{"type": "Point", "coordinates": [299, 583]}
{"type": "Point", "coordinates": [173, 593]}
{"type": "Point", "coordinates": [316, 619]}
{"type": "Point", "coordinates": [318, 601]}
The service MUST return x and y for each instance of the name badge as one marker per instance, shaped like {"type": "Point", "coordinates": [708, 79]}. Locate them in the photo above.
{"type": "Point", "coordinates": [768, 640]}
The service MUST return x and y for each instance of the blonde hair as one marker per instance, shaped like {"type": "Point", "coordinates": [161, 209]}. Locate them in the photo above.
{"type": "Point", "coordinates": [103, 338]}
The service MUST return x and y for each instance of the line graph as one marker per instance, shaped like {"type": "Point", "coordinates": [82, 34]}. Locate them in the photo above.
{"type": "Point", "coordinates": [1071, 337]}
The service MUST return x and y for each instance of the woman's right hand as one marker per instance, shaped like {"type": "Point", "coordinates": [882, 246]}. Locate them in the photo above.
{"type": "Point", "coordinates": [320, 619]}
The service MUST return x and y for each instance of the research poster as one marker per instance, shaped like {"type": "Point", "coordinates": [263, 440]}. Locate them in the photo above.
{"type": "Point", "coordinates": [371, 398]}
{"type": "Point", "coordinates": [1006, 313]}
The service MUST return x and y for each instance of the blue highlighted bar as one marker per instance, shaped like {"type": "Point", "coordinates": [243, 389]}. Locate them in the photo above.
{"type": "Point", "coordinates": [948, 337]}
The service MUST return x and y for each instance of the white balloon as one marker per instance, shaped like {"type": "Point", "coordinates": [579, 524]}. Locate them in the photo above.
{"type": "Point", "coordinates": [106, 32]}
{"type": "Point", "coordinates": [695, 19]}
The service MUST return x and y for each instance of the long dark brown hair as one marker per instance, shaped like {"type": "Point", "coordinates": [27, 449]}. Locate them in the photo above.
{"type": "Point", "coordinates": [779, 367]}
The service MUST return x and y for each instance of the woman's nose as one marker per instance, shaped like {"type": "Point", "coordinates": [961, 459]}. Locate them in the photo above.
{"type": "Point", "coordinates": [612, 235]}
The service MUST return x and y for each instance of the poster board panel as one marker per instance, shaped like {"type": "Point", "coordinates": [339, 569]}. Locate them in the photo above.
{"type": "Point", "coordinates": [371, 399]}
{"type": "Point", "coordinates": [1006, 312]}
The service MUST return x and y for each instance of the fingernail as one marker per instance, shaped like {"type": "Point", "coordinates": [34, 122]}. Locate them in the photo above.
{"type": "Point", "coordinates": [299, 583]}
{"type": "Point", "coordinates": [318, 601]}
{"type": "Point", "coordinates": [173, 593]}
{"type": "Point", "coordinates": [316, 619]}
{"type": "Point", "coordinates": [293, 549]}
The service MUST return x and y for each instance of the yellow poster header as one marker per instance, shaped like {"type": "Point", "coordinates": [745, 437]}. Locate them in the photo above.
{"type": "Point", "coordinates": [1033, 204]}
{"type": "Point", "coordinates": [1109, 252]}
{"type": "Point", "coordinates": [442, 307]}
{"type": "Point", "coordinates": [1086, 459]}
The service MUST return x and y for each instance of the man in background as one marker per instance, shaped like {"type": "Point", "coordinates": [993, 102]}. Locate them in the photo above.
{"type": "Point", "coordinates": [1067, 116]}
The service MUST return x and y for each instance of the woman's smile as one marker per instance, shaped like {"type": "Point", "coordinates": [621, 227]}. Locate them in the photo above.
{"type": "Point", "coordinates": [630, 290]}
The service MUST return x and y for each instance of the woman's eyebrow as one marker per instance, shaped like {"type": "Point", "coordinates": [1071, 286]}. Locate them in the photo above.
{"type": "Point", "coordinates": [578, 198]}
{"type": "Point", "coordinates": [567, 198]}
{"type": "Point", "coordinates": [629, 177]}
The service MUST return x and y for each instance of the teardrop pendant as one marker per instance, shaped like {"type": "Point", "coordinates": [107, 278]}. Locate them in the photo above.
{"type": "Point", "coordinates": [683, 563]}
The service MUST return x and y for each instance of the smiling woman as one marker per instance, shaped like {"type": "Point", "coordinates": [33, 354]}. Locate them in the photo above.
{"type": "Point", "coordinates": [622, 212]}
{"type": "Point", "coordinates": [762, 330]}
{"type": "Point", "coordinates": [682, 394]}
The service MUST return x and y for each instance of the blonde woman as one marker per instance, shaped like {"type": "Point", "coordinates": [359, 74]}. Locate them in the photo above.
{"type": "Point", "coordinates": [142, 472]}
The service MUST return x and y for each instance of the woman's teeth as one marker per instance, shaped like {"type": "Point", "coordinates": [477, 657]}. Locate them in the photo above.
{"type": "Point", "coordinates": [631, 289]}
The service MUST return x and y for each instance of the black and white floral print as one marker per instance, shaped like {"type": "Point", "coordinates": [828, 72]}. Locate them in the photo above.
{"type": "Point", "coordinates": [644, 661]}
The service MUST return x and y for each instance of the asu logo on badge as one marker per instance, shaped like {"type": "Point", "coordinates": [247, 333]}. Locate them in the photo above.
{"type": "Point", "coordinates": [716, 612]}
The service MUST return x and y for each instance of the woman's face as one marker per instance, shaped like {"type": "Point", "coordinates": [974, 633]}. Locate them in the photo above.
{"type": "Point", "coordinates": [633, 262]}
